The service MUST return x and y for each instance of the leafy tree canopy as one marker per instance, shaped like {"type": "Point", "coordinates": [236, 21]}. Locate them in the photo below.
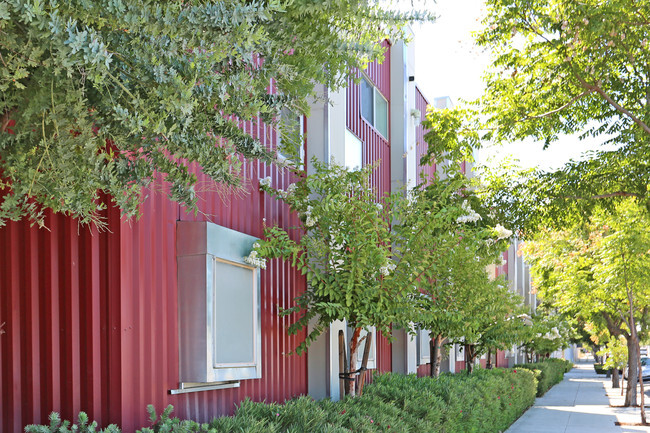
{"type": "Point", "coordinates": [564, 66]}
{"type": "Point", "coordinates": [103, 96]}
{"type": "Point", "coordinates": [559, 68]}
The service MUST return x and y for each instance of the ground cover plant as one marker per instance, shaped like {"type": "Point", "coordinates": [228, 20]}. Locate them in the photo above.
{"type": "Point", "coordinates": [485, 401]}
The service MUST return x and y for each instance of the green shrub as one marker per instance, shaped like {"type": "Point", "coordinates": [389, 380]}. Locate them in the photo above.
{"type": "Point", "coordinates": [600, 369]}
{"type": "Point", "coordinates": [548, 372]}
{"type": "Point", "coordinates": [485, 401]}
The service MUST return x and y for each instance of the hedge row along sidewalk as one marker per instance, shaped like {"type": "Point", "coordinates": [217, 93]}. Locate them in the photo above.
{"type": "Point", "coordinates": [485, 401]}
{"type": "Point", "coordinates": [548, 373]}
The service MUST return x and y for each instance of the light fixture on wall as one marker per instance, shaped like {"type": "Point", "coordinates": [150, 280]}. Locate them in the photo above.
{"type": "Point", "coordinates": [416, 115]}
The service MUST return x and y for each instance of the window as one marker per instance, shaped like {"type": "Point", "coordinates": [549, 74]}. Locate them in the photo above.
{"type": "Point", "coordinates": [291, 139]}
{"type": "Point", "coordinates": [460, 352]}
{"type": "Point", "coordinates": [374, 107]}
{"type": "Point", "coordinates": [353, 151]}
{"type": "Point", "coordinates": [424, 348]}
{"type": "Point", "coordinates": [372, 356]}
{"type": "Point", "coordinates": [219, 305]}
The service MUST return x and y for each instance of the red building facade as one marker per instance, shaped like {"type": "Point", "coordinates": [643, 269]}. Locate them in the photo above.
{"type": "Point", "coordinates": [91, 319]}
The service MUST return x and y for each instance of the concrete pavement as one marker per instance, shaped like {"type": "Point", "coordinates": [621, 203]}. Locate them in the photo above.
{"type": "Point", "coordinates": [579, 404]}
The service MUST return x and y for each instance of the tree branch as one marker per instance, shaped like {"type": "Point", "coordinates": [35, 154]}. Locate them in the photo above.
{"type": "Point", "coordinates": [567, 105]}
{"type": "Point", "coordinates": [616, 105]}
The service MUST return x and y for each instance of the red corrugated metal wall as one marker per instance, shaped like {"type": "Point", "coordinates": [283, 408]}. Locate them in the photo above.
{"type": "Point", "coordinates": [424, 370]}
{"type": "Point", "coordinates": [60, 351]}
{"type": "Point", "coordinates": [375, 146]}
{"type": "Point", "coordinates": [421, 146]}
{"type": "Point", "coordinates": [91, 318]}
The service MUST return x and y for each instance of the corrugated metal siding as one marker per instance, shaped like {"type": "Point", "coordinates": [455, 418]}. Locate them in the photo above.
{"type": "Point", "coordinates": [92, 322]}
{"type": "Point", "coordinates": [424, 370]}
{"type": "Point", "coordinates": [54, 300]}
{"type": "Point", "coordinates": [375, 146]}
{"type": "Point", "coordinates": [384, 354]}
{"type": "Point", "coordinates": [502, 362]}
{"type": "Point", "coordinates": [283, 376]}
{"type": "Point", "coordinates": [421, 146]}
{"type": "Point", "coordinates": [91, 318]}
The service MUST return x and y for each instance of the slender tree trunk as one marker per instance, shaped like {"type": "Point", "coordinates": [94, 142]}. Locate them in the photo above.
{"type": "Point", "coordinates": [615, 378]}
{"type": "Point", "coordinates": [469, 358]}
{"type": "Point", "coordinates": [354, 355]}
{"type": "Point", "coordinates": [488, 362]}
{"type": "Point", "coordinates": [364, 362]}
{"type": "Point", "coordinates": [436, 355]}
{"type": "Point", "coordinates": [632, 369]}
{"type": "Point", "coordinates": [635, 340]}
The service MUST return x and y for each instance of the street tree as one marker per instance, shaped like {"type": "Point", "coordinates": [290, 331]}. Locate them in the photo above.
{"type": "Point", "coordinates": [599, 271]}
{"type": "Point", "coordinates": [345, 253]}
{"type": "Point", "coordinates": [561, 68]}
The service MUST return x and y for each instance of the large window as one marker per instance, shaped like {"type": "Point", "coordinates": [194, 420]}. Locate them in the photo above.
{"type": "Point", "coordinates": [219, 305]}
{"type": "Point", "coordinates": [374, 107]}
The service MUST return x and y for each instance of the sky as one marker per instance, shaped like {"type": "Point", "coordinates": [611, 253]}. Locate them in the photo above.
{"type": "Point", "coordinates": [447, 63]}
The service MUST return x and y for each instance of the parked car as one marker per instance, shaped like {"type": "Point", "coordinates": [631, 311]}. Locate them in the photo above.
{"type": "Point", "coordinates": [645, 368]}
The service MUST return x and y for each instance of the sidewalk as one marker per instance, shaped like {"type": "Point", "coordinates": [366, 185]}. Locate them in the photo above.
{"type": "Point", "coordinates": [579, 404]}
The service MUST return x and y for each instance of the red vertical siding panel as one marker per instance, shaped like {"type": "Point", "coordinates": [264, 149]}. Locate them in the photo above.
{"type": "Point", "coordinates": [52, 335]}
{"type": "Point", "coordinates": [421, 104]}
{"type": "Point", "coordinates": [4, 348]}
{"type": "Point", "coordinates": [424, 370]}
{"type": "Point", "coordinates": [32, 324]}
{"type": "Point", "coordinates": [91, 363]}
{"type": "Point", "coordinates": [113, 295]}
{"type": "Point", "coordinates": [71, 356]}
{"type": "Point", "coordinates": [11, 317]}
{"type": "Point", "coordinates": [501, 362]}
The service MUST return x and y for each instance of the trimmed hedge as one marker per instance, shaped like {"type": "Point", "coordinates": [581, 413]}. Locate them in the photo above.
{"type": "Point", "coordinates": [601, 370]}
{"type": "Point", "coordinates": [485, 401]}
{"type": "Point", "coordinates": [548, 372]}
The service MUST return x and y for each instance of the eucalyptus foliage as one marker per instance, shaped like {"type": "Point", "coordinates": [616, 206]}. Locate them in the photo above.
{"type": "Point", "coordinates": [105, 96]}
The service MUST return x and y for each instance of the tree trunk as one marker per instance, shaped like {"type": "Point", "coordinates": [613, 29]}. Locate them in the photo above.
{"type": "Point", "coordinates": [354, 355]}
{"type": "Point", "coordinates": [436, 355]}
{"type": "Point", "coordinates": [364, 362]}
{"type": "Point", "coordinates": [632, 369]}
{"type": "Point", "coordinates": [643, 418]}
{"type": "Point", "coordinates": [488, 362]}
{"type": "Point", "coordinates": [635, 339]}
{"type": "Point", "coordinates": [469, 358]}
{"type": "Point", "coordinates": [615, 379]}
